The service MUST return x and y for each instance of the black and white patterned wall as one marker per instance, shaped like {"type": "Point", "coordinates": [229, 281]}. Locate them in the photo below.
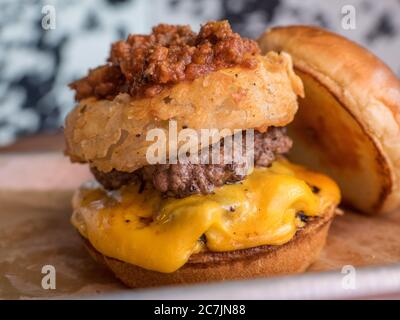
{"type": "Point", "coordinates": [37, 64]}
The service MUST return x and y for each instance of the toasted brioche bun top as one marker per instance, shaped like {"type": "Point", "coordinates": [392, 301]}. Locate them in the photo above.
{"type": "Point", "coordinates": [112, 134]}
{"type": "Point", "coordinates": [357, 98]}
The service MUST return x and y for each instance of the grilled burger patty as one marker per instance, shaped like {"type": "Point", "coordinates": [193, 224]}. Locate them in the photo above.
{"type": "Point", "coordinates": [183, 179]}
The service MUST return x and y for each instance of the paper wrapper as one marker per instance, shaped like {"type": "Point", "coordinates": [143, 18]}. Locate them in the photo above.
{"type": "Point", "coordinates": [35, 207]}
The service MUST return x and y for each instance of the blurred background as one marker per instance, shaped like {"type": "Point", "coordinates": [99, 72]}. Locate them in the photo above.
{"type": "Point", "coordinates": [37, 63]}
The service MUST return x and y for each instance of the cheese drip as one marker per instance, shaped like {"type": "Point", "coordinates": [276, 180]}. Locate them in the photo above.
{"type": "Point", "coordinates": [146, 230]}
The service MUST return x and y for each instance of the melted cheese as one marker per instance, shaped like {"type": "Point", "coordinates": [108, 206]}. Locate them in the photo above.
{"type": "Point", "coordinates": [160, 234]}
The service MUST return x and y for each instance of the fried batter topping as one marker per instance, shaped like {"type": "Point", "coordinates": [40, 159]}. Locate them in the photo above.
{"type": "Point", "coordinates": [144, 64]}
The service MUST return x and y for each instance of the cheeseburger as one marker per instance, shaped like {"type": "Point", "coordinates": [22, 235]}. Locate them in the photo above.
{"type": "Point", "coordinates": [182, 220]}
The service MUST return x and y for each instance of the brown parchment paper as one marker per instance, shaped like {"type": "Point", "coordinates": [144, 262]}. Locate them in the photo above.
{"type": "Point", "coordinates": [35, 231]}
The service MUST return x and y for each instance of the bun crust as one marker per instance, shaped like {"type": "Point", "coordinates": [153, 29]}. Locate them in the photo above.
{"type": "Point", "coordinates": [112, 134]}
{"type": "Point", "coordinates": [338, 73]}
{"type": "Point", "coordinates": [293, 257]}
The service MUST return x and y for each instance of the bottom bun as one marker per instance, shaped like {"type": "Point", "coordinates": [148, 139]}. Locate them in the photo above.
{"type": "Point", "coordinates": [263, 261]}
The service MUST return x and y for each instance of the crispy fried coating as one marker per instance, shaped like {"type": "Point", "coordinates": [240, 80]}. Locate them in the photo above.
{"type": "Point", "coordinates": [112, 134]}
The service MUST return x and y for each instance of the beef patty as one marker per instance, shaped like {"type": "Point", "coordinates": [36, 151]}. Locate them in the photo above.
{"type": "Point", "coordinates": [183, 179]}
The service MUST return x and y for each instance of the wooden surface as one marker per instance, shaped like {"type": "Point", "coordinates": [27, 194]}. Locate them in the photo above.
{"type": "Point", "coordinates": [37, 143]}
{"type": "Point", "coordinates": [35, 193]}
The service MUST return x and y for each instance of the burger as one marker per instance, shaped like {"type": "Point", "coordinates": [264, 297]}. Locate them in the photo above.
{"type": "Point", "coordinates": [180, 219]}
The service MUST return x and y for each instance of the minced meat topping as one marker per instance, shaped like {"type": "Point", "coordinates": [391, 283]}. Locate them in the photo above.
{"type": "Point", "coordinates": [143, 65]}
